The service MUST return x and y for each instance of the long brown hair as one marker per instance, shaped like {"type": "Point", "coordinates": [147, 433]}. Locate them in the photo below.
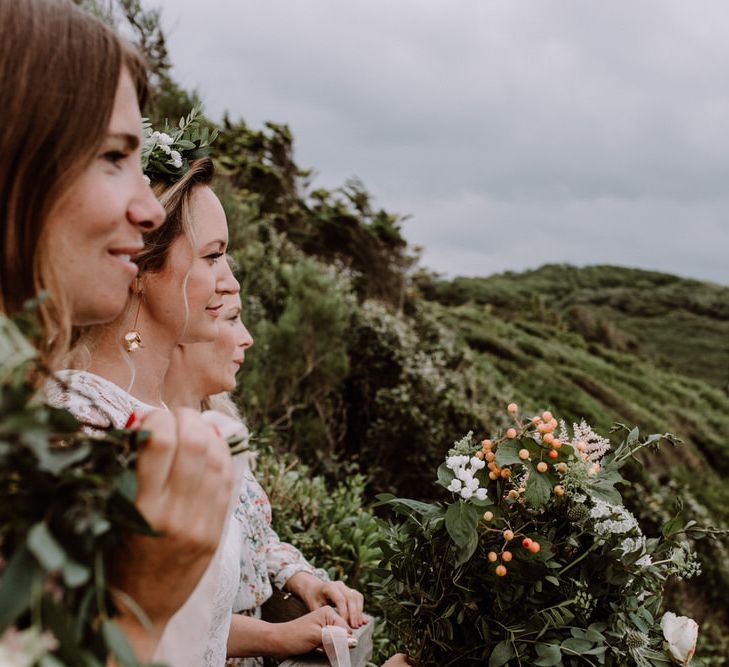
{"type": "Point", "coordinates": [59, 71]}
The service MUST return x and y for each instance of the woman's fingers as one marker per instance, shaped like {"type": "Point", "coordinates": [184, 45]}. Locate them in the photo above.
{"type": "Point", "coordinates": [330, 616]}
{"type": "Point", "coordinates": [193, 444]}
{"type": "Point", "coordinates": [156, 454]}
{"type": "Point", "coordinates": [349, 602]}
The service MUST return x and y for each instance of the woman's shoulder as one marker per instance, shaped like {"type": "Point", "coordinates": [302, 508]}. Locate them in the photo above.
{"type": "Point", "coordinates": [91, 398]}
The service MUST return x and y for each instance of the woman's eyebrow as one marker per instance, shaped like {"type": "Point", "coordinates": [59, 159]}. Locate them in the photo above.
{"type": "Point", "coordinates": [131, 141]}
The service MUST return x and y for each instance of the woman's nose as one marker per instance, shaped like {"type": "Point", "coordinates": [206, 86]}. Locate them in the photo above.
{"type": "Point", "coordinates": [246, 340]}
{"type": "Point", "coordinates": [227, 282]}
{"type": "Point", "coordinates": [145, 211]}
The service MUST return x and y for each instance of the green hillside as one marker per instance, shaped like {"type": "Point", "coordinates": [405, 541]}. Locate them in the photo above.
{"type": "Point", "coordinates": [677, 323]}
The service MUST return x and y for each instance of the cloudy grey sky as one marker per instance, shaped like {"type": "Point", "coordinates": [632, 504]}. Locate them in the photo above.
{"type": "Point", "coordinates": [514, 132]}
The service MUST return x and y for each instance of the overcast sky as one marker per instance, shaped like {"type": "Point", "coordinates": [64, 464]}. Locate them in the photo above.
{"type": "Point", "coordinates": [514, 132]}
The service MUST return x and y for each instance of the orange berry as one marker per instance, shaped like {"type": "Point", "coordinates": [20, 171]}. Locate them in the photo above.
{"type": "Point", "coordinates": [493, 556]}
{"type": "Point", "coordinates": [501, 571]}
{"type": "Point", "coordinates": [512, 408]}
{"type": "Point", "coordinates": [479, 455]}
{"type": "Point", "coordinates": [514, 494]}
{"type": "Point", "coordinates": [543, 428]}
{"type": "Point", "coordinates": [546, 416]}
{"type": "Point", "coordinates": [493, 475]}
{"type": "Point", "coordinates": [548, 438]}
{"type": "Point", "coordinates": [489, 456]}
{"type": "Point", "coordinates": [506, 556]}
{"type": "Point", "coordinates": [552, 454]}
{"type": "Point", "coordinates": [534, 547]}
{"type": "Point", "coordinates": [487, 444]}
{"type": "Point", "coordinates": [505, 473]}
{"type": "Point", "coordinates": [558, 490]}
{"type": "Point", "coordinates": [580, 446]}
{"type": "Point", "coordinates": [561, 468]}
{"type": "Point", "coordinates": [526, 542]}
{"type": "Point", "coordinates": [536, 420]}
{"type": "Point", "coordinates": [488, 516]}
{"type": "Point", "coordinates": [524, 454]}
{"type": "Point", "coordinates": [542, 466]}
{"type": "Point", "coordinates": [511, 433]}
{"type": "Point", "coordinates": [508, 535]}
{"type": "Point", "coordinates": [556, 443]}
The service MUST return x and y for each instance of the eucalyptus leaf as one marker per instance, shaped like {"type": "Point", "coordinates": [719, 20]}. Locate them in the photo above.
{"type": "Point", "coordinates": [16, 585]}
{"type": "Point", "coordinates": [502, 653]}
{"type": "Point", "coordinates": [550, 655]}
{"type": "Point", "coordinates": [41, 543]}
{"type": "Point", "coordinates": [118, 644]}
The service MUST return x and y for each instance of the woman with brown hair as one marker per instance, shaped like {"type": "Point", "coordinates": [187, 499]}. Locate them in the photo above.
{"type": "Point", "coordinates": [73, 208]}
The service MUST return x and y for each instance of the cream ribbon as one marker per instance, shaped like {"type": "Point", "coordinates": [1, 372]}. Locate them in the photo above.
{"type": "Point", "coordinates": [335, 641]}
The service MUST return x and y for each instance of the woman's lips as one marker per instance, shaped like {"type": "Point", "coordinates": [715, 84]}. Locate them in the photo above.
{"type": "Point", "coordinates": [214, 311]}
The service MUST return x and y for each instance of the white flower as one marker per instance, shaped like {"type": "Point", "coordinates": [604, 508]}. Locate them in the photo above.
{"type": "Point", "coordinates": [24, 648]}
{"type": "Point", "coordinates": [472, 484]}
{"type": "Point", "coordinates": [455, 485]}
{"type": "Point", "coordinates": [464, 474]}
{"type": "Point", "coordinates": [466, 493]}
{"type": "Point", "coordinates": [163, 138]}
{"type": "Point", "coordinates": [176, 159]}
{"type": "Point", "coordinates": [681, 633]}
{"type": "Point", "coordinates": [644, 561]}
{"type": "Point", "coordinates": [481, 494]}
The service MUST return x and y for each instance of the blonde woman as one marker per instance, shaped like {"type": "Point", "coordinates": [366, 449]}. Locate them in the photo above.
{"type": "Point", "coordinates": [117, 368]}
{"type": "Point", "coordinates": [197, 375]}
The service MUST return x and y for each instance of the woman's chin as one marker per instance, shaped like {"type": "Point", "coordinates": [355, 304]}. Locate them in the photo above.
{"type": "Point", "coordinates": [204, 332]}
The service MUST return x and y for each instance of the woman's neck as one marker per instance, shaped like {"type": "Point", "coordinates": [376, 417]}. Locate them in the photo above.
{"type": "Point", "coordinates": [141, 372]}
{"type": "Point", "coordinates": [180, 388]}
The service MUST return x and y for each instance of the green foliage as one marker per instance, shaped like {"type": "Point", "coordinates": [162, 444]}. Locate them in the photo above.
{"type": "Point", "coordinates": [66, 501]}
{"type": "Point", "coordinates": [331, 525]}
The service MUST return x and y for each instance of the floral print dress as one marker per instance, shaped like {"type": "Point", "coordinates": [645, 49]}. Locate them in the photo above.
{"type": "Point", "coordinates": [264, 558]}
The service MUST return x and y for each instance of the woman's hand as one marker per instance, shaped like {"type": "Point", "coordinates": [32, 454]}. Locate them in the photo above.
{"type": "Point", "coordinates": [251, 637]}
{"type": "Point", "coordinates": [397, 660]}
{"type": "Point", "coordinates": [184, 477]}
{"type": "Point", "coordinates": [304, 633]}
{"type": "Point", "coordinates": [317, 593]}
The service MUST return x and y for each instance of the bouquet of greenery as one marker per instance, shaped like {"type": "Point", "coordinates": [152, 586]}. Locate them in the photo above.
{"type": "Point", "coordinates": [535, 560]}
{"type": "Point", "coordinates": [66, 500]}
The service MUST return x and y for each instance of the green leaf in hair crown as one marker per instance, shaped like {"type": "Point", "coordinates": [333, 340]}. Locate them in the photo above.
{"type": "Point", "coordinates": [166, 155]}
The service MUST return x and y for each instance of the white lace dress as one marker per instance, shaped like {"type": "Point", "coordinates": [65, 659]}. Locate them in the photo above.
{"type": "Point", "coordinates": [198, 633]}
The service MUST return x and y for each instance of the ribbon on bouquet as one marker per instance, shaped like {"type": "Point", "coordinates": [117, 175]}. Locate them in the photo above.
{"type": "Point", "coordinates": [336, 643]}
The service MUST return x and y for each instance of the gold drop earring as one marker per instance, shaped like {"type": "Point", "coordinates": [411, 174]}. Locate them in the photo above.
{"type": "Point", "coordinates": [132, 338]}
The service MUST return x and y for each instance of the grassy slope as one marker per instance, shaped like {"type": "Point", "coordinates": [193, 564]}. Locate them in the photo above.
{"type": "Point", "coordinates": [680, 324]}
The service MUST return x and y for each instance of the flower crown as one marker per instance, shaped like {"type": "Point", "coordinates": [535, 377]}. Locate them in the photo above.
{"type": "Point", "coordinates": [166, 155]}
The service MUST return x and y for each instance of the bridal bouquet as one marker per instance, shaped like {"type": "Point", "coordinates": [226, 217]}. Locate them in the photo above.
{"type": "Point", "coordinates": [534, 560]}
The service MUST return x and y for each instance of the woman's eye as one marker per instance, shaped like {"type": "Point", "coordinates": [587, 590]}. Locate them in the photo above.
{"type": "Point", "coordinates": [114, 156]}
{"type": "Point", "coordinates": [214, 257]}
